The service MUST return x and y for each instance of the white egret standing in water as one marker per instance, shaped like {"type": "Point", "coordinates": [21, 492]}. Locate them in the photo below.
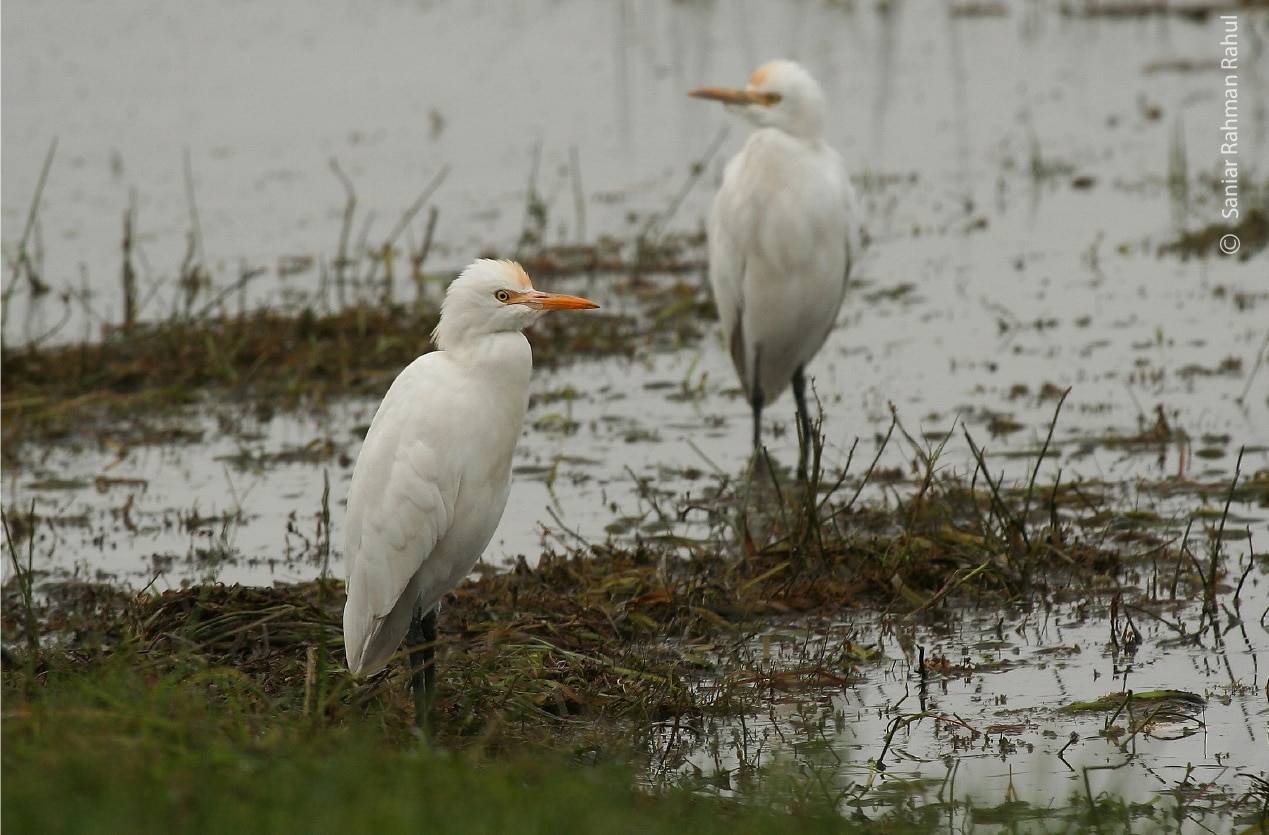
{"type": "Point", "coordinates": [783, 237]}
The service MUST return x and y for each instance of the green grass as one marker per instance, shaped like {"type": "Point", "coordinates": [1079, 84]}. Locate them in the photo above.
{"type": "Point", "coordinates": [114, 746]}
{"type": "Point", "coordinates": [113, 743]}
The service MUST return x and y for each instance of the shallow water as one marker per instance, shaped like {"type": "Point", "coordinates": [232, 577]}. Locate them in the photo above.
{"type": "Point", "coordinates": [1015, 171]}
{"type": "Point", "coordinates": [1001, 734]}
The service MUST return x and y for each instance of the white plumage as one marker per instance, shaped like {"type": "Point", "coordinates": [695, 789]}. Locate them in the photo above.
{"type": "Point", "coordinates": [433, 475]}
{"type": "Point", "coordinates": [783, 236]}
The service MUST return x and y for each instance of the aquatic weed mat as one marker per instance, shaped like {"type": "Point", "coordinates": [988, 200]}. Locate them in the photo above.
{"type": "Point", "coordinates": [296, 360]}
{"type": "Point", "coordinates": [621, 630]}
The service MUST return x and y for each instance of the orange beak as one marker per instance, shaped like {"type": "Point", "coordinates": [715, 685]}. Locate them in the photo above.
{"type": "Point", "coordinates": [730, 96]}
{"type": "Point", "coordinates": [553, 301]}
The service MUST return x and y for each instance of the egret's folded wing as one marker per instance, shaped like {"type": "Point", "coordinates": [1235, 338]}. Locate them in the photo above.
{"type": "Point", "coordinates": [729, 224]}
{"type": "Point", "coordinates": [400, 504]}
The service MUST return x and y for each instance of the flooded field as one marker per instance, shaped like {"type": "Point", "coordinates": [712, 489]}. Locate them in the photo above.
{"type": "Point", "coordinates": [1026, 172]}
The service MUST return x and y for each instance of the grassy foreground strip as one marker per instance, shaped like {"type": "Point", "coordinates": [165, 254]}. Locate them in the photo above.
{"type": "Point", "coordinates": [121, 747]}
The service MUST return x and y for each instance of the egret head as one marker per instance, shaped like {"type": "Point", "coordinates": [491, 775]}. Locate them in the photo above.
{"type": "Point", "coordinates": [780, 94]}
{"type": "Point", "coordinates": [495, 296]}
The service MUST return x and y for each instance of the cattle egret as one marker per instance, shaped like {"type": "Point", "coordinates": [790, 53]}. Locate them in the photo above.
{"type": "Point", "coordinates": [783, 235]}
{"type": "Point", "coordinates": [434, 473]}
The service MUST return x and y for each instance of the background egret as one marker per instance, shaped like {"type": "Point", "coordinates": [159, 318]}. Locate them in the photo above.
{"type": "Point", "coordinates": [783, 237]}
{"type": "Point", "coordinates": [433, 475]}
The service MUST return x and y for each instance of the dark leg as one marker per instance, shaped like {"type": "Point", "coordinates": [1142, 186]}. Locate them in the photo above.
{"type": "Point", "coordinates": [756, 399]}
{"type": "Point", "coordinates": [422, 640]}
{"type": "Point", "coordinates": [804, 422]}
{"type": "Point", "coordinates": [757, 420]}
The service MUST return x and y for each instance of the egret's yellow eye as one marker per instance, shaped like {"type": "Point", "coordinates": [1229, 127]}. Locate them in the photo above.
{"type": "Point", "coordinates": [503, 296]}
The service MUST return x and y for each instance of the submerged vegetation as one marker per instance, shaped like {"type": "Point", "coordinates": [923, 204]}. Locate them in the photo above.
{"type": "Point", "coordinates": [284, 359]}
{"type": "Point", "coordinates": [351, 335]}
